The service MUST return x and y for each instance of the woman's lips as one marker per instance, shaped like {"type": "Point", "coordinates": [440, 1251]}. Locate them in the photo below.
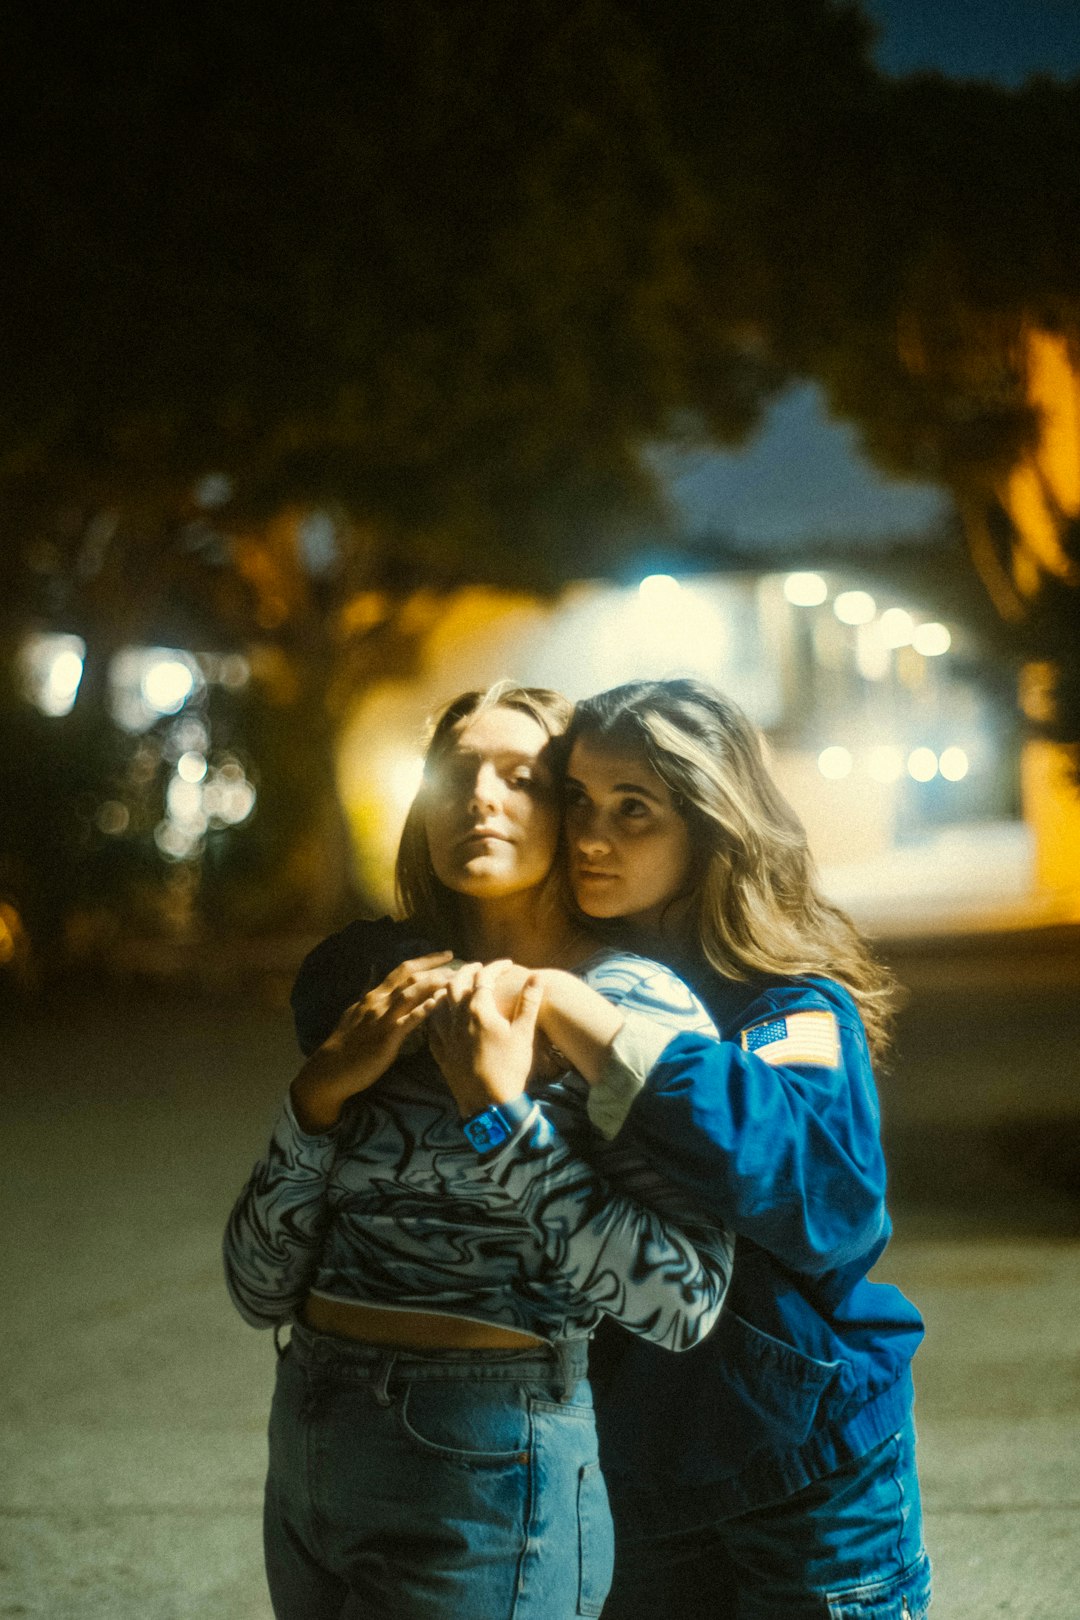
{"type": "Point", "coordinates": [483, 836]}
{"type": "Point", "coordinates": [585, 876]}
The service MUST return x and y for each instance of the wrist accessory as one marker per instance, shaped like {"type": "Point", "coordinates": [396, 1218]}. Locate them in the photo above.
{"type": "Point", "coordinates": [495, 1125]}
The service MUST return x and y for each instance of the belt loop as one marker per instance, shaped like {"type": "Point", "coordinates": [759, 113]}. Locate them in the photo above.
{"type": "Point", "coordinates": [382, 1380]}
{"type": "Point", "coordinates": [564, 1368]}
{"type": "Point", "coordinates": [280, 1348]}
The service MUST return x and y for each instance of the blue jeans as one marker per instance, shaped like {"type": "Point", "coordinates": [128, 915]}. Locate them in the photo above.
{"type": "Point", "coordinates": [460, 1483]}
{"type": "Point", "coordinates": [847, 1547]}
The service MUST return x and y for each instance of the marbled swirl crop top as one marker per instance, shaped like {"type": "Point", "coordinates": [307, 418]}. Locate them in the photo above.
{"type": "Point", "coordinates": [394, 1208]}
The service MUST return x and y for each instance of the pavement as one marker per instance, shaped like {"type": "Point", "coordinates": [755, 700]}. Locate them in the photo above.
{"type": "Point", "coordinates": [135, 1400]}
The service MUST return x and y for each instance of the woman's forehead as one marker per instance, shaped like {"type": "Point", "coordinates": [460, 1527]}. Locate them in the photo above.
{"type": "Point", "coordinates": [614, 768]}
{"type": "Point", "coordinates": [499, 730]}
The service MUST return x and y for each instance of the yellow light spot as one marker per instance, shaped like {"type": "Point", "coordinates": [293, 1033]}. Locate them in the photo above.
{"type": "Point", "coordinates": [854, 607]}
{"type": "Point", "coordinates": [922, 764]}
{"type": "Point", "coordinates": [805, 590]}
{"type": "Point", "coordinates": [834, 763]}
{"type": "Point", "coordinates": [931, 640]}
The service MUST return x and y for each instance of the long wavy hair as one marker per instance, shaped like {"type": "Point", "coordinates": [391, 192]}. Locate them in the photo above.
{"type": "Point", "coordinates": [421, 896]}
{"type": "Point", "coordinates": [755, 904]}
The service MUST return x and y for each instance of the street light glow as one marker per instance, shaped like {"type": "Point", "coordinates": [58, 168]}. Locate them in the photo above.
{"type": "Point", "coordinates": [854, 607]}
{"type": "Point", "coordinates": [167, 685]}
{"type": "Point", "coordinates": [922, 764]}
{"type": "Point", "coordinates": [931, 639]}
{"type": "Point", "coordinates": [896, 627]}
{"type": "Point", "coordinates": [834, 763]}
{"type": "Point", "coordinates": [659, 590]}
{"type": "Point", "coordinates": [805, 590]}
{"type": "Point", "coordinates": [953, 764]}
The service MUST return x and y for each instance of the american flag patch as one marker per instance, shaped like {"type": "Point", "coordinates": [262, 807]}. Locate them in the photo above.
{"type": "Point", "coordinates": [799, 1037]}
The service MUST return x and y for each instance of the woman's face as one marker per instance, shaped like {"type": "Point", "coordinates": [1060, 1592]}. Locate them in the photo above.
{"type": "Point", "coordinates": [492, 819]}
{"type": "Point", "coordinates": [629, 847]}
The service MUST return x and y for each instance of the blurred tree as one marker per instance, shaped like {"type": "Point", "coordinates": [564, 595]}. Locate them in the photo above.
{"type": "Point", "coordinates": [314, 313]}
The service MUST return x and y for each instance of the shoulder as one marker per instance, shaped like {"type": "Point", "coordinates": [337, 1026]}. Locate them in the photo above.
{"type": "Point", "coordinates": [648, 987]}
{"type": "Point", "coordinates": [809, 1019]}
{"type": "Point", "coordinates": [343, 967]}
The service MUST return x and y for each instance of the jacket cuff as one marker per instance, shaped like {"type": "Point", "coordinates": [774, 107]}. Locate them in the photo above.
{"type": "Point", "coordinates": [631, 1058]}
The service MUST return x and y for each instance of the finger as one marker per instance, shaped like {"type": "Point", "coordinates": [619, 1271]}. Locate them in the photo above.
{"type": "Point", "coordinates": [529, 1003]}
{"type": "Point", "coordinates": [422, 986]}
{"type": "Point", "coordinates": [460, 987]}
{"type": "Point", "coordinates": [416, 964]}
{"type": "Point", "coordinates": [491, 972]}
{"type": "Point", "coordinates": [417, 1015]}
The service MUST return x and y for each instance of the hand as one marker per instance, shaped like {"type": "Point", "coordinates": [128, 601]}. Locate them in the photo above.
{"type": "Point", "coordinates": [368, 1039]}
{"type": "Point", "coordinates": [485, 1053]}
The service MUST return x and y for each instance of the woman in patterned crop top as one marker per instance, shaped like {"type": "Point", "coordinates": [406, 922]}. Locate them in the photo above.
{"type": "Point", "coordinates": [432, 1444]}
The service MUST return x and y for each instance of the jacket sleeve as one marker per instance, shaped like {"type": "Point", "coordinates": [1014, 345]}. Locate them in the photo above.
{"type": "Point", "coordinates": [274, 1233]}
{"type": "Point", "coordinates": [777, 1136]}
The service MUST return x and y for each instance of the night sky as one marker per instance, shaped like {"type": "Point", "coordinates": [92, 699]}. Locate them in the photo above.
{"type": "Point", "coordinates": [804, 475]}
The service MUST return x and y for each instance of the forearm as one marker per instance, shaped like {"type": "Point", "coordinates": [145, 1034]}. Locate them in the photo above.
{"type": "Point", "coordinates": [275, 1230]}
{"type": "Point", "coordinates": [578, 1021]}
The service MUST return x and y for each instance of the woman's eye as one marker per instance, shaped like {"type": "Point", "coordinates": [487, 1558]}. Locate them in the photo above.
{"type": "Point", "coordinates": [634, 808]}
{"type": "Point", "coordinates": [522, 779]}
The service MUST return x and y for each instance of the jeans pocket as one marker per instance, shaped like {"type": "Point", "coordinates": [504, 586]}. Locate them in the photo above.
{"type": "Point", "coordinates": [467, 1422]}
{"type": "Point", "coordinates": [596, 1556]}
{"type": "Point", "coordinates": [901, 1597]}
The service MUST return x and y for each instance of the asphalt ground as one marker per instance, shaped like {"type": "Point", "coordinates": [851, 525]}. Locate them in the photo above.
{"type": "Point", "coordinates": [135, 1400]}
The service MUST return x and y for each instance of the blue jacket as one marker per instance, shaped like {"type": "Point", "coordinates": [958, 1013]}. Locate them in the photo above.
{"type": "Point", "coordinates": [809, 1364]}
{"type": "Point", "coordinates": [776, 1130]}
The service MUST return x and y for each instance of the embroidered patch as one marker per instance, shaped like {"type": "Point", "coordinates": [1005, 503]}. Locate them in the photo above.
{"type": "Point", "coordinates": [799, 1037]}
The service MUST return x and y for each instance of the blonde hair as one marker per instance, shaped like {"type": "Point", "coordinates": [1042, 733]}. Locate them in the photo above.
{"type": "Point", "coordinates": [421, 896]}
{"type": "Point", "coordinates": [753, 890]}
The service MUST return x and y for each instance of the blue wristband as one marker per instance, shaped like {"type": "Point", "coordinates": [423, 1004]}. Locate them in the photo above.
{"type": "Point", "coordinates": [493, 1126]}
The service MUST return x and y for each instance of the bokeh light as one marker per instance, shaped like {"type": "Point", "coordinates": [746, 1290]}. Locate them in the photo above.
{"type": "Point", "coordinates": [954, 764]}
{"type": "Point", "coordinates": [805, 590]}
{"type": "Point", "coordinates": [854, 607]}
{"type": "Point", "coordinates": [51, 670]}
{"type": "Point", "coordinates": [931, 639]}
{"type": "Point", "coordinates": [922, 764]}
{"type": "Point", "coordinates": [835, 763]}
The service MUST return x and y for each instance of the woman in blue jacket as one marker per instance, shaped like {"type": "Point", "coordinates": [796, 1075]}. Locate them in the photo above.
{"type": "Point", "coordinates": [771, 1472]}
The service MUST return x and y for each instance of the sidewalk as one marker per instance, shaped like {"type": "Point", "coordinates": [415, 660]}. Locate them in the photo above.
{"type": "Point", "coordinates": [136, 1400]}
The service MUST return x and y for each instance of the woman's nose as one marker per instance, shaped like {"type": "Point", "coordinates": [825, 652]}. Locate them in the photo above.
{"type": "Point", "coordinates": [588, 833]}
{"type": "Point", "coordinates": [485, 789]}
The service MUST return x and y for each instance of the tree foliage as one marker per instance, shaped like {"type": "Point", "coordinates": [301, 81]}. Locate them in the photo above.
{"type": "Point", "coordinates": [432, 274]}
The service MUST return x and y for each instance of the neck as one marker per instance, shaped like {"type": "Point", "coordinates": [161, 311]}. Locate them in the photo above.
{"type": "Point", "coordinates": [530, 928]}
{"type": "Point", "coordinates": [666, 934]}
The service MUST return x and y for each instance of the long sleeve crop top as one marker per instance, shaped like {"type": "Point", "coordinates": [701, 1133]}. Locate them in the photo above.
{"type": "Point", "coordinates": [547, 1234]}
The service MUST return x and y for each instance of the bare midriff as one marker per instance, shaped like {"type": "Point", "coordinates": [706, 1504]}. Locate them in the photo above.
{"type": "Point", "coordinates": [409, 1330]}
